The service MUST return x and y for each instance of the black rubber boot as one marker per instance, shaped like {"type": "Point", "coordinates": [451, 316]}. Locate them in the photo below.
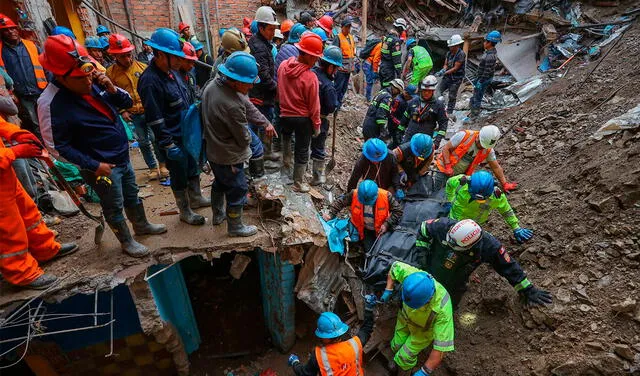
{"type": "Point", "coordinates": [256, 167]}
{"type": "Point", "coordinates": [235, 227]}
{"type": "Point", "coordinates": [186, 214]}
{"type": "Point", "coordinates": [65, 250]}
{"type": "Point", "coordinates": [217, 207]}
{"type": "Point", "coordinates": [318, 172]}
{"type": "Point", "coordinates": [141, 225]}
{"type": "Point", "coordinates": [196, 200]}
{"type": "Point", "coordinates": [42, 282]}
{"type": "Point", "coordinates": [128, 244]}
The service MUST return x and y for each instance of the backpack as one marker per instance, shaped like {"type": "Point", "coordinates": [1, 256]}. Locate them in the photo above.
{"type": "Point", "coordinates": [368, 48]}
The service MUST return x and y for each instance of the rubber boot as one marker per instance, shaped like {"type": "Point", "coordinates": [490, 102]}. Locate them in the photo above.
{"type": "Point", "coordinates": [42, 282]}
{"type": "Point", "coordinates": [141, 225]}
{"type": "Point", "coordinates": [217, 206]}
{"type": "Point", "coordinates": [65, 250]}
{"type": "Point", "coordinates": [256, 167]}
{"type": "Point", "coordinates": [235, 227]}
{"type": "Point", "coordinates": [269, 154]}
{"type": "Point", "coordinates": [287, 157]}
{"type": "Point", "coordinates": [318, 172]}
{"type": "Point", "coordinates": [128, 244]}
{"type": "Point", "coordinates": [195, 194]}
{"type": "Point", "coordinates": [186, 214]}
{"type": "Point", "coordinates": [299, 185]}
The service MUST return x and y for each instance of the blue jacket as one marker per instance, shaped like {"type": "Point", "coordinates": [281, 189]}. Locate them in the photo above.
{"type": "Point", "coordinates": [78, 132]}
{"type": "Point", "coordinates": [287, 50]}
{"type": "Point", "coordinates": [164, 99]}
{"type": "Point", "coordinates": [328, 96]}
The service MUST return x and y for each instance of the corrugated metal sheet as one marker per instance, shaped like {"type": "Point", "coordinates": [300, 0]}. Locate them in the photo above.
{"type": "Point", "coordinates": [321, 280]}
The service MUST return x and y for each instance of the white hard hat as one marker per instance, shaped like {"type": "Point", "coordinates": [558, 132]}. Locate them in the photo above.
{"type": "Point", "coordinates": [397, 83]}
{"type": "Point", "coordinates": [489, 136]}
{"type": "Point", "coordinates": [429, 83]}
{"type": "Point", "coordinates": [464, 234]}
{"type": "Point", "coordinates": [400, 22]}
{"type": "Point", "coordinates": [266, 15]}
{"type": "Point", "coordinates": [278, 34]}
{"type": "Point", "coordinates": [455, 40]}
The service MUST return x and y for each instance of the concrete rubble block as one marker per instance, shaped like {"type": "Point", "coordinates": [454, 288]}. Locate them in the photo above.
{"type": "Point", "coordinates": [624, 351]}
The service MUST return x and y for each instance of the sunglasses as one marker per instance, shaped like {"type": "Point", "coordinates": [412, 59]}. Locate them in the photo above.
{"type": "Point", "coordinates": [83, 63]}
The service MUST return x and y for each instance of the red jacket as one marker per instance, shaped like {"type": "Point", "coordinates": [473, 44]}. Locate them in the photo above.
{"type": "Point", "coordinates": [298, 91]}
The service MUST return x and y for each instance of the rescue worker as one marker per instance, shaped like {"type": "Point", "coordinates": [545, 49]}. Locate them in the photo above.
{"type": "Point", "coordinates": [308, 20]}
{"type": "Point", "coordinates": [278, 39]}
{"type": "Point", "coordinates": [19, 58]}
{"type": "Point", "coordinates": [377, 164]}
{"type": "Point", "coordinates": [398, 107]}
{"type": "Point", "coordinates": [94, 47]}
{"type": "Point", "coordinates": [228, 139]}
{"type": "Point", "coordinates": [475, 196]}
{"type": "Point", "coordinates": [64, 31]}
{"type": "Point", "coordinates": [425, 320]}
{"type": "Point", "coordinates": [186, 72]}
{"type": "Point", "coordinates": [102, 31]}
{"type": "Point", "coordinates": [486, 69]}
{"type": "Point", "coordinates": [377, 121]}
{"type": "Point", "coordinates": [370, 67]}
{"type": "Point", "coordinates": [326, 23]}
{"type": "Point", "coordinates": [299, 107]}
{"type": "Point", "coordinates": [185, 31]}
{"type": "Point", "coordinates": [146, 55]}
{"type": "Point", "coordinates": [414, 159]}
{"type": "Point", "coordinates": [25, 239]}
{"type": "Point", "coordinates": [391, 53]}
{"type": "Point", "coordinates": [453, 71]}
{"type": "Point", "coordinates": [321, 33]}
{"type": "Point", "coordinates": [106, 56]}
{"type": "Point", "coordinates": [232, 40]}
{"type": "Point", "coordinates": [425, 114]}
{"type": "Point", "coordinates": [337, 354]}
{"type": "Point", "coordinates": [164, 99]}
{"type": "Point", "coordinates": [246, 28]}
{"type": "Point", "coordinates": [330, 62]}
{"type": "Point", "coordinates": [125, 74]}
{"type": "Point", "coordinates": [285, 28]}
{"type": "Point", "coordinates": [372, 211]}
{"type": "Point", "coordinates": [289, 49]}
{"type": "Point", "coordinates": [347, 44]}
{"type": "Point", "coordinates": [454, 249]}
{"type": "Point", "coordinates": [465, 151]}
{"type": "Point", "coordinates": [78, 120]}
{"type": "Point", "coordinates": [418, 62]}
{"type": "Point", "coordinates": [202, 73]}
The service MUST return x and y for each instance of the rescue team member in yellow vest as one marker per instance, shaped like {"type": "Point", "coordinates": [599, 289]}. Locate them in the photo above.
{"type": "Point", "coordinates": [373, 211]}
{"type": "Point", "coordinates": [347, 44]}
{"type": "Point", "coordinates": [19, 58]}
{"type": "Point", "coordinates": [425, 319]}
{"type": "Point", "coordinates": [465, 151]}
{"type": "Point", "coordinates": [336, 355]}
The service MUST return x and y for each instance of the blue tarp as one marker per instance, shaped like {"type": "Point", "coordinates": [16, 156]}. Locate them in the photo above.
{"type": "Point", "coordinates": [191, 126]}
{"type": "Point", "coordinates": [337, 230]}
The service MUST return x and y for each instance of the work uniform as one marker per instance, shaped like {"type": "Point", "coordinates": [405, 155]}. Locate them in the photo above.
{"type": "Point", "coordinates": [413, 166]}
{"type": "Point", "coordinates": [22, 64]}
{"type": "Point", "coordinates": [263, 94]}
{"type": "Point", "coordinates": [203, 73]}
{"type": "Point", "coordinates": [398, 107]}
{"type": "Point", "coordinates": [391, 59]}
{"type": "Point", "coordinates": [24, 238]}
{"type": "Point", "coordinates": [427, 117]}
{"type": "Point", "coordinates": [421, 62]}
{"type": "Point", "coordinates": [484, 76]}
{"type": "Point", "coordinates": [328, 104]}
{"type": "Point", "coordinates": [348, 46]}
{"type": "Point", "coordinates": [417, 329]}
{"type": "Point", "coordinates": [375, 124]}
{"type": "Point", "coordinates": [453, 81]}
{"type": "Point", "coordinates": [463, 207]}
{"type": "Point", "coordinates": [453, 268]}
{"type": "Point", "coordinates": [383, 173]}
{"type": "Point", "coordinates": [127, 79]}
{"type": "Point", "coordinates": [371, 66]}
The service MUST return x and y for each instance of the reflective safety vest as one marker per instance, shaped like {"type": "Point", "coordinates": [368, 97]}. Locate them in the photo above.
{"type": "Point", "coordinates": [380, 212]}
{"type": "Point", "coordinates": [341, 359]}
{"type": "Point", "coordinates": [41, 78]}
{"type": "Point", "coordinates": [348, 47]}
{"type": "Point", "coordinates": [467, 141]}
{"type": "Point", "coordinates": [421, 58]}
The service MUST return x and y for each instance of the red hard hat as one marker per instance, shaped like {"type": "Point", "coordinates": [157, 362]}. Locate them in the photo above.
{"type": "Point", "coordinates": [246, 22]}
{"type": "Point", "coordinates": [310, 43]}
{"type": "Point", "coordinates": [65, 56]}
{"type": "Point", "coordinates": [189, 51]}
{"type": "Point", "coordinates": [119, 44]}
{"type": "Point", "coordinates": [6, 22]}
{"type": "Point", "coordinates": [286, 25]}
{"type": "Point", "coordinates": [182, 26]}
{"type": "Point", "coordinates": [326, 23]}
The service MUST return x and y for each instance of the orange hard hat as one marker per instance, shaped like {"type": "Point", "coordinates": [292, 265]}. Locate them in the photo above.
{"type": "Point", "coordinates": [64, 56]}
{"type": "Point", "coordinates": [6, 22]}
{"type": "Point", "coordinates": [119, 44]}
{"type": "Point", "coordinates": [326, 23]}
{"type": "Point", "coordinates": [182, 26]}
{"type": "Point", "coordinates": [286, 25]}
{"type": "Point", "coordinates": [310, 43]}
{"type": "Point", "coordinates": [189, 51]}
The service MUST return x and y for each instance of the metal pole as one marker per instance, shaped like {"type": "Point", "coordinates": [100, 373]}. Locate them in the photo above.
{"type": "Point", "coordinates": [205, 20]}
{"type": "Point", "coordinates": [215, 37]}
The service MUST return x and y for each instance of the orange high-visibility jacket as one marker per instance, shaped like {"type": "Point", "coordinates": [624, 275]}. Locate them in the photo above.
{"type": "Point", "coordinates": [380, 211]}
{"type": "Point", "coordinates": [341, 359]}
{"type": "Point", "coordinates": [375, 57]}
{"type": "Point", "coordinates": [469, 138]}
{"type": "Point", "coordinates": [41, 79]}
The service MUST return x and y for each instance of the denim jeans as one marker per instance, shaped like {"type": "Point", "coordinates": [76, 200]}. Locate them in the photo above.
{"type": "Point", "coordinates": [318, 149]}
{"type": "Point", "coordinates": [341, 84]}
{"type": "Point", "coordinates": [181, 170]}
{"type": "Point", "coordinates": [303, 129]}
{"type": "Point", "coordinates": [146, 140]}
{"type": "Point", "coordinates": [370, 77]}
{"type": "Point", "coordinates": [257, 148]}
{"type": "Point", "coordinates": [478, 93]}
{"type": "Point", "coordinates": [25, 177]}
{"type": "Point", "coordinates": [123, 192]}
{"type": "Point", "coordinates": [231, 181]}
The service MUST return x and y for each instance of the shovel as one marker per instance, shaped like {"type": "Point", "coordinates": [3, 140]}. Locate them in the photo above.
{"type": "Point", "coordinates": [332, 161]}
{"type": "Point", "coordinates": [64, 185]}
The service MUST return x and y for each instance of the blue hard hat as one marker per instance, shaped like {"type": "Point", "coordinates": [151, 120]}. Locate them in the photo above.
{"type": "Point", "coordinates": [197, 45]}
{"type": "Point", "coordinates": [321, 33]}
{"type": "Point", "coordinates": [374, 149]}
{"type": "Point", "coordinates": [167, 41]}
{"type": "Point", "coordinates": [418, 289]}
{"type": "Point", "coordinates": [411, 41]}
{"type": "Point", "coordinates": [221, 31]}
{"type": "Point", "coordinates": [62, 30]}
{"type": "Point", "coordinates": [421, 145]}
{"type": "Point", "coordinates": [241, 66]}
{"type": "Point", "coordinates": [368, 192]}
{"type": "Point", "coordinates": [254, 27]}
{"type": "Point", "coordinates": [411, 89]}
{"type": "Point", "coordinates": [102, 29]}
{"type": "Point", "coordinates": [481, 185]}
{"type": "Point", "coordinates": [92, 42]}
{"type": "Point", "coordinates": [332, 55]}
{"type": "Point", "coordinates": [494, 36]}
{"type": "Point", "coordinates": [104, 42]}
{"type": "Point", "coordinates": [330, 326]}
{"type": "Point", "coordinates": [296, 33]}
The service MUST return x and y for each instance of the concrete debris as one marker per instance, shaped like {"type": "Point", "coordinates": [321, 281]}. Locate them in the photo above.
{"type": "Point", "coordinates": [624, 351]}
{"type": "Point", "coordinates": [627, 121]}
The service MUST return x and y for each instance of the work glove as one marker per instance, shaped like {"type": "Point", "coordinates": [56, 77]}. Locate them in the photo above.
{"type": "Point", "coordinates": [448, 170]}
{"type": "Point", "coordinates": [400, 194]}
{"type": "Point", "coordinates": [421, 372]}
{"type": "Point", "coordinates": [386, 295]}
{"type": "Point", "coordinates": [532, 296]}
{"type": "Point", "coordinates": [522, 234]}
{"type": "Point", "coordinates": [477, 85]}
{"type": "Point", "coordinates": [29, 150]}
{"type": "Point", "coordinates": [508, 187]}
{"type": "Point", "coordinates": [446, 207]}
{"type": "Point", "coordinates": [293, 360]}
{"type": "Point", "coordinates": [403, 178]}
{"type": "Point", "coordinates": [370, 302]}
{"type": "Point", "coordinates": [24, 137]}
{"type": "Point", "coordinates": [440, 73]}
{"type": "Point", "coordinates": [175, 153]}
